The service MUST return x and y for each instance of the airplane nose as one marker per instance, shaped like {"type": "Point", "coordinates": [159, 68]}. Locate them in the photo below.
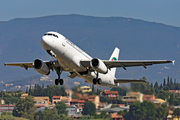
{"type": "Point", "coordinates": [45, 42]}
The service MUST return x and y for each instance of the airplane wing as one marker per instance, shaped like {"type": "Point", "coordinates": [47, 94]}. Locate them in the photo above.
{"type": "Point", "coordinates": [24, 65]}
{"type": "Point", "coordinates": [132, 63]}
{"type": "Point", "coordinates": [128, 63]}
{"type": "Point", "coordinates": [27, 65]}
{"type": "Point", "coordinates": [128, 81]}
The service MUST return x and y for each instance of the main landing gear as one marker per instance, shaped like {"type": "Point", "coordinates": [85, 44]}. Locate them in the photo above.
{"type": "Point", "coordinates": [97, 80]}
{"type": "Point", "coordinates": [59, 71]}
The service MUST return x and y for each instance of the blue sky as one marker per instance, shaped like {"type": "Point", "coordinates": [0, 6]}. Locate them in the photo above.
{"type": "Point", "coordinates": [160, 11]}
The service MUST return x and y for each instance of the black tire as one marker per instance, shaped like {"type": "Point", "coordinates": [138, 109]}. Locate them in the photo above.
{"type": "Point", "coordinates": [99, 81]}
{"type": "Point", "coordinates": [61, 81]}
{"type": "Point", "coordinates": [56, 81]}
{"type": "Point", "coordinates": [94, 81]}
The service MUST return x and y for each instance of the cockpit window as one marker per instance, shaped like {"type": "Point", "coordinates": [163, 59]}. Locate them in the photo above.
{"type": "Point", "coordinates": [50, 34]}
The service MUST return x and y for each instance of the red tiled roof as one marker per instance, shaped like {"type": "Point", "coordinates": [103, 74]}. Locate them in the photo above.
{"type": "Point", "coordinates": [77, 100]}
{"type": "Point", "coordinates": [83, 98]}
{"type": "Point", "coordinates": [131, 100]}
{"type": "Point", "coordinates": [7, 105]}
{"type": "Point", "coordinates": [148, 96]}
{"type": "Point", "coordinates": [92, 96]}
{"type": "Point", "coordinates": [56, 97]}
{"type": "Point", "coordinates": [110, 92]}
{"type": "Point", "coordinates": [115, 115]}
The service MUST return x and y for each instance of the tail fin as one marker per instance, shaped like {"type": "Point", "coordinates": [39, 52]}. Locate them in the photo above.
{"type": "Point", "coordinates": [114, 57]}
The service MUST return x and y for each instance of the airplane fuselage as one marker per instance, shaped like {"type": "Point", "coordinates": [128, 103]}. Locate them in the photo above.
{"type": "Point", "coordinates": [69, 57]}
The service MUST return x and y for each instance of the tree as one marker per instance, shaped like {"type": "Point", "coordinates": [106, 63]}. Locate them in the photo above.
{"type": "Point", "coordinates": [39, 115]}
{"type": "Point", "coordinates": [142, 111]}
{"type": "Point", "coordinates": [163, 94]}
{"type": "Point", "coordinates": [121, 91]}
{"type": "Point", "coordinates": [89, 108]}
{"type": "Point", "coordinates": [50, 114]}
{"type": "Point", "coordinates": [171, 100]}
{"type": "Point", "coordinates": [25, 108]}
{"type": "Point", "coordinates": [161, 113]}
{"type": "Point", "coordinates": [61, 108]}
{"type": "Point", "coordinates": [164, 83]}
{"type": "Point", "coordinates": [176, 112]}
{"type": "Point", "coordinates": [135, 111]}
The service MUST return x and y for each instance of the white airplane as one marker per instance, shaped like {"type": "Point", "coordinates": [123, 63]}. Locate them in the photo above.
{"type": "Point", "coordinates": [72, 59]}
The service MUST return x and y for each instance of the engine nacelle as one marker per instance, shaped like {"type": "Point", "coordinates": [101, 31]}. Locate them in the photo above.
{"type": "Point", "coordinates": [98, 66]}
{"type": "Point", "coordinates": [41, 67]}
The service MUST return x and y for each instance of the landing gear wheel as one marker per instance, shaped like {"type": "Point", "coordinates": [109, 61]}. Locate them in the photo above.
{"type": "Point", "coordinates": [94, 81]}
{"type": "Point", "coordinates": [61, 81]}
{"type": "Point", "coordinates": [56, 81]}
{"type": "Point", "coordinates": [99, 81]}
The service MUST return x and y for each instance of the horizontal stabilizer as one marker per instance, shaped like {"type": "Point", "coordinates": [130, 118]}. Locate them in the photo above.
{"type": "Point", "coordinates": [128, 81]}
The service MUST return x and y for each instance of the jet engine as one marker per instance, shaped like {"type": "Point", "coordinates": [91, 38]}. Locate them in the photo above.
{"type": "Point", "coordinates": [41, 67]}
{"type": "Point", "coordinates": [98, 66]}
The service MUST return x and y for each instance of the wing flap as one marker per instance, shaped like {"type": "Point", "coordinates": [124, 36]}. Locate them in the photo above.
{"type": "Point", "coordinates": [128, 81]}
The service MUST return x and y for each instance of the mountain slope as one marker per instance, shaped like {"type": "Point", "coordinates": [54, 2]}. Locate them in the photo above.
{"type": "Point", "coordinates": [98, 36]}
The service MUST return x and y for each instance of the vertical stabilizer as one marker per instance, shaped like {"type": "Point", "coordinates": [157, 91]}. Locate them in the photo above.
{"type": "Point", "coordinates": [114, 57]}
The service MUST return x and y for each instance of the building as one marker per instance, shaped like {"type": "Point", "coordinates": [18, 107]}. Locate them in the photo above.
{"type": "Point", "coordinates": [175, 91]}
{"type": "Point", "coordinates": [110, 94]}
{"type": "Point", "coordinates": [158, 101]}
{"type": "Point", "coordinates": [95, 99]}
{"type": "Point", "coordinates": [41, 101]}
{"type": "Point", "coordinates": [73, 111]}
{"type": "Point", "coordinates": [56, 99]}
{"type": "Point", "coordinates": [148, 98]}
{"type": "Point", "coordinates": [78, 103]}
{"type": "Point", "coordinates": [24, 95]}
{"type": "Point", "coordinates": [2, 102]}
{"type": "Point", "coordinates": [115, 116]}
{"type": "Point", "coordinates": [65, 99]}
{"type": "Point", "coordinates": [85, 89]}
{"type": "Point", "coordinates": [133, 97]}
{"type": "Point", "coordinates": [6, 108]}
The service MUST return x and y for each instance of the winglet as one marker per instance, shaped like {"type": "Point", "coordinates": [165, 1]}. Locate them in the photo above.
{"type": "Point", "coordinates": [173, 62]}
{"type": "Point", "coordinates": [5, 64]}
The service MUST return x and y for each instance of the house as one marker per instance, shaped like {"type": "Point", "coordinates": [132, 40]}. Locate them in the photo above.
{"type": "Point", "coordinates": [7, 108]}
{"type": "Point", "coordinates": [85, 89]}
{"type": "Point", "coordinates": [2, 102]}
{"type": "Point", "coordinates": [95, 99]}
{"type": "Point", "coordinates": [65, 99]}
{"type": "Point", "coordinates": [84, 98]}
{"type": "Point", "coordinates": [24, 95]}
{"type": "Point", "coordinates": [115, 116]}
{"type": "Point", "coordinates": [133, 97]}
{"type": "Point", "coordinates": [56, 99]}
{"type": "Point", "coordinates": [41, 101]}
{"type": "Point", "coordinates": [110, 94]}
{"type": "Point", "coordinates": [175, 91]}
{"type": "Point", "coordinates": [73, 111]}
{"type": "Point", "coordinates": [148, 98]}
{"type": "Point", "coordinates": [158, 101]}
{"type": "Point", "coordinates": [78, 103]}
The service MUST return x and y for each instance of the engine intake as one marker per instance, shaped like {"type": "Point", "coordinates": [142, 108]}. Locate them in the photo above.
{"type": "Point", "coordinates": [98, 66]}
{"type": "Point", "coordinates": [41, 67]}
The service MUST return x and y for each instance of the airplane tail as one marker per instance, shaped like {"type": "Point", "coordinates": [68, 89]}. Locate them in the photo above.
{"type": "Point", "coordinates": [114, 57]}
